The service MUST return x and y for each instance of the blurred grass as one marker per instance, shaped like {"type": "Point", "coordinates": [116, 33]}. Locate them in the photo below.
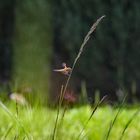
{"type": "Point", "coordinates": [38, 122]}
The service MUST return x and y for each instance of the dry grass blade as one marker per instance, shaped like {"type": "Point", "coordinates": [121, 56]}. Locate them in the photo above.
{"type": "Point", "coordinates": [128, 123]}
{"type": "Point", "coordinates": [87, 37]}
{"type": "Point", "coordinates": [95, 108]}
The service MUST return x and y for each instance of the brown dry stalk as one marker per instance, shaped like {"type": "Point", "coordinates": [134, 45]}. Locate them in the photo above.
{"type": "Point", "coordinates": [87, 37]}
{"type": "Point", "coordinates": [63, 91]}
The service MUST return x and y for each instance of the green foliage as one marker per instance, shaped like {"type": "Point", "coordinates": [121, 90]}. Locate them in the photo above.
{"type": "Point", "coordinates": [39, 121]}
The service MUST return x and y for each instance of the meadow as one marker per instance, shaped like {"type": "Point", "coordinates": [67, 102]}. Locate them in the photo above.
{"type": "Point", "coordinates": [85, 122]}
{"type": "Point", "coordinates": [37, 123]}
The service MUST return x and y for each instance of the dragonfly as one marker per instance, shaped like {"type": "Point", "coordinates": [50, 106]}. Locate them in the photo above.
{"type": "Point", "coordinates": [66, 70]}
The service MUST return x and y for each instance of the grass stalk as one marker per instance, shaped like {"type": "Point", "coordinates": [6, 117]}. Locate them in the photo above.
{"type": "Point", "coordinates": [115, 118]}
{"type": "Point", "coordinates": [14, 118]}
{"type": "Point", "coordinates": [7, 132]}
{"type": "Point", "coordinates": [128, 123]}
{"type": "Point", "coordinates": [87, 37]}
{"type": "Point", "coordinates": [91, 115]}
{"type": "Point", "coordinates": [57, 114]}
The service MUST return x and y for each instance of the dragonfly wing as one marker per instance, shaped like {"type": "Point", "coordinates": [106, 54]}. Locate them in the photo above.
{"type": "Point", "coordinates": [58, 70]}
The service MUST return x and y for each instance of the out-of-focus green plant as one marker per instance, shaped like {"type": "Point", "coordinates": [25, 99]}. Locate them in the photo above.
{"type": "Point", "coordinates": [73, 122]}
{"type": "Point", "coordinates": [32, 45]}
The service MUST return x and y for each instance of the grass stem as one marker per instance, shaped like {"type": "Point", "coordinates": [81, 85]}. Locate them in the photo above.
{"type": "Point", "coordinates": [87, 37]}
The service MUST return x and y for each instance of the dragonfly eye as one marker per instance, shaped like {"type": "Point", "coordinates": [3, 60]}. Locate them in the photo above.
{"type": "Point", "coordinates": [63, 64]}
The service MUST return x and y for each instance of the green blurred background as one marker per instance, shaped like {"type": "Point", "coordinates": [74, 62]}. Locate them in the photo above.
{"type": "Point", "coordinates": [36, 36]}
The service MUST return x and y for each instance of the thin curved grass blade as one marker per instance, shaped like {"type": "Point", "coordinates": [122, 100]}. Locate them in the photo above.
{"type": "Point", "coordinates": [95, 108]}
{"type": "Point", "coordinates": [87, 37]}
{"type": "Point", "coordinates": [115, 118]}
{"type": "Point", "coordinates": [13, 117]}
{"type": "Point", "coordinates": [58, 112]}
{"type": "Point", "coordinates": [7, 132]}
{"type": "Point", "coordinates": [128, 123]}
